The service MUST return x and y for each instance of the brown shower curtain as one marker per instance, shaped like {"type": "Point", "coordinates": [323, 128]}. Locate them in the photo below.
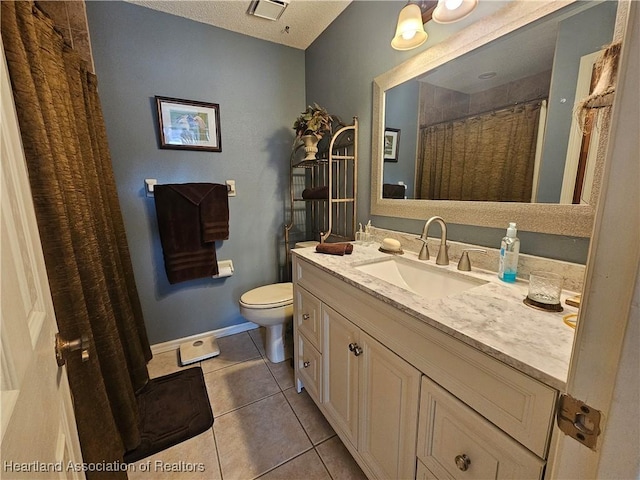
{"type": "Point", "coordinates": [81, 229]}
{"type": "Point", "coordinates": [488, 157]}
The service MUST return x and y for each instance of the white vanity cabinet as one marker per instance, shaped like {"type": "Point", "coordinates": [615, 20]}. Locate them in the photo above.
{"type": "Point", "coordinates": [408, 400]}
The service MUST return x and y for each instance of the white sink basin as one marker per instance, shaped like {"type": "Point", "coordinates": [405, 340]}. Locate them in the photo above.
{"type": "Point", "coordinates": [425, 280]}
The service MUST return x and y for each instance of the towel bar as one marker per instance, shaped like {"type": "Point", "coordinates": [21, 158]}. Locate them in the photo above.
{"type": "Point", "coordinates": [150, 183]}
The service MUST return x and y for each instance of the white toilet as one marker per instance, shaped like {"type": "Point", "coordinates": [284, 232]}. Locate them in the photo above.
{"type": "Point", "coordinates": [270, 306]}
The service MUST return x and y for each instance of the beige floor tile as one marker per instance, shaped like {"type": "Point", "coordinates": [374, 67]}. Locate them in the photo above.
{"type": "Point", "coordinates": [258, 336]}
{"type": "Point", "coordinates": [233, 349]}
{"type": "Point", "coordinates": [339, 461]}
{"type": "Point", "coordinates": [307, 466]}
{"type": "Point", "coordinates": [193, 459]}
{"type": "Point", "coordinates": [239, 385]}
{"type": "Point", "coordinates": [310, 416]}
{"type": "Point", "coordinates": [256, 438]}
{"type": "Point", "coordinates": [283, 372]}
{"type": "Point", "coordinates": [165, 363]}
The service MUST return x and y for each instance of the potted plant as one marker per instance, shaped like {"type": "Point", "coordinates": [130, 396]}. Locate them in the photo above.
{"type": "Point", "coordinates": [310, 126]}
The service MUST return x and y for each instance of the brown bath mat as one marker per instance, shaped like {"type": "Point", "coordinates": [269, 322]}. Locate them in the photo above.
{"type": "Point", "coordinates": [172, 409]}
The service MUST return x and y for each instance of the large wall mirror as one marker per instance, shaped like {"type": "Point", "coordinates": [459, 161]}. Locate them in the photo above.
{"type": "Point", "coordinates": [481, 128]}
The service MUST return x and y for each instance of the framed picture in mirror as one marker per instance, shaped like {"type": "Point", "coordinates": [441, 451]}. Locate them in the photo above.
{"type": "Point", "coordinates": [391, 144]}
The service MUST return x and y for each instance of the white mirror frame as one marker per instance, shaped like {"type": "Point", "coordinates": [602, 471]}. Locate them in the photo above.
{"type": "Point", "coordinates": [573, 220]}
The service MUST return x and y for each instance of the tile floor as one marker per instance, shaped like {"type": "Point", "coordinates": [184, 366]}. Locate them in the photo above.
{"type": "Point", "coordinates": [262, 428]}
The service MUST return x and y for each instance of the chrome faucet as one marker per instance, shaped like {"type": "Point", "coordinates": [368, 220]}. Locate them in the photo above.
{"type": "Point", "coordinates": [443, 256]}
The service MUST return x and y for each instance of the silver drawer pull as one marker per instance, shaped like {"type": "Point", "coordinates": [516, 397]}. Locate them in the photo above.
{"type": "Point", "coordinates": [355, 348]}
{"type": "Point", "coordinates": [463, 462]}
{"type": "Point", "coordinates": [306, 364]}
{"type": "Point", "coordinates": [305, 316]}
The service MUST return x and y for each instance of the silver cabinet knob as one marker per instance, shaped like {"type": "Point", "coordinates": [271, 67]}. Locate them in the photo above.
{"type": "Point", "coordinates": [305, 316]}
{"type": "Point", "coordinates": [64, 347]}
{"type": "Point", "coordinates": [355, 348]}
{"type": "Point", "coordinates": [306, 364]}
{"type": "Point", "coordinates": [463, 462]}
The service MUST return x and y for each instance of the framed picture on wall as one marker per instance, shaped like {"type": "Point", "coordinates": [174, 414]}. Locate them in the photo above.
{"type": "Point", "coordinates": [391, 144]}
{"type": "Point", "coordinates": [188, 125]}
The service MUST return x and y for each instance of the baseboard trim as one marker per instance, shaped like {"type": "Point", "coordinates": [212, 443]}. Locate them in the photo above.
{"type": "Point", "coordinates": [221, 332]}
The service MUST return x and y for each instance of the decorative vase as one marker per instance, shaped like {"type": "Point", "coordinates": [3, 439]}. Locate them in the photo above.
{"type": "Point", "coordinates": [310, 146]}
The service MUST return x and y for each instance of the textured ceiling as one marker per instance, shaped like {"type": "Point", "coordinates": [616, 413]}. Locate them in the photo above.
{"type": "Point", "coordinates": [306, 19]}
{"type": "Point", "coordinates": [522, 53]}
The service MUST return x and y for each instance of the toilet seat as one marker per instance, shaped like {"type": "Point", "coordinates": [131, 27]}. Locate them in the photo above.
{"type": "Point", "coordinates": [268, 296]}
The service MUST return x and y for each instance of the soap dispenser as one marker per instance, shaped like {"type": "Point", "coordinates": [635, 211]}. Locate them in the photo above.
{"type": "Point", "coordinates": [509, 251]}
{"type": "Point", "coordinates": [360, 234]}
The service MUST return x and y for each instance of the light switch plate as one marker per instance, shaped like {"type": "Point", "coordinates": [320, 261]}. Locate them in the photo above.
{"type": "Point", "coordinates": [232, 187]}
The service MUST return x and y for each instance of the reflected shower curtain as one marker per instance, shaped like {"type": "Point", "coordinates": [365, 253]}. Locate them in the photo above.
{"type": "Point", "coordinates": [81, 229]}
{"type": "Point", "coordinates": [488, 157]}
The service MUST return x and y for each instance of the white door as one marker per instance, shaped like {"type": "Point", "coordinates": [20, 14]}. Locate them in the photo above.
{"type": "Point", "coordinates": [598, 376]}
{"type": "Point", "coordinates": [39, 436]}
{"type": "Point", "coordinates": [576, 138]}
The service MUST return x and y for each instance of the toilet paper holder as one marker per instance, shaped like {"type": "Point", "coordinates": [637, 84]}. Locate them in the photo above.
{"type": "Point", "coordinates": [225, 269]}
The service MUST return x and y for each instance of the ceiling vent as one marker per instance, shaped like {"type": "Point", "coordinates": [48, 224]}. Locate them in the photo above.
{"type": "Point", "coordinates": [269, 9]}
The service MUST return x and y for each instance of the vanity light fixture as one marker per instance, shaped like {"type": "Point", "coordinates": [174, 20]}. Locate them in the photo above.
{"type": "Point", "coordinates": [449, 11]}
{"type": "Point", "coordinates": [410, 29]}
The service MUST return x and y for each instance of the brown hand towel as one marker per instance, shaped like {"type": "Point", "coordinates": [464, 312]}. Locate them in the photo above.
{"type": "Point", "coordinates": [214, 214]}
{"type": "Point", "coordinates": [316, 193]}
{"type": "Point", "coordinates": [191, 217]}
{"type": "Point", "coordinates": [392, 190]}
{"type": "Point", "coordinates": [335, 248]}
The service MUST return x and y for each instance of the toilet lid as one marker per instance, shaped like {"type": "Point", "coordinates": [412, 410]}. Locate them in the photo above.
{"type": "Point", "coordinates": [269, 296]}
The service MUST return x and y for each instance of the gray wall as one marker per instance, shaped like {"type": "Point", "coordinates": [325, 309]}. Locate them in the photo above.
{"type": "Point", "coordinates": [575, 40]}
{"type": "Point", "coordinates": [140, 53]}
{"type": "Point", "coordinates": [402, 112]}
{"type": "Point", "coordinates": [340, 67]}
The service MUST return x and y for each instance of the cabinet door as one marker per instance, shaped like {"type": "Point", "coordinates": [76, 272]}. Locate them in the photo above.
{"type": "Point", "coordinates": [389, 397]}
{"type": "Point", "coordinates": [341, 373]}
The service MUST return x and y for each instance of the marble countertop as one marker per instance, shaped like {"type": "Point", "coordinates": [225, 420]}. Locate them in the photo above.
{"type": "Point", "coordinates": [490, 317]}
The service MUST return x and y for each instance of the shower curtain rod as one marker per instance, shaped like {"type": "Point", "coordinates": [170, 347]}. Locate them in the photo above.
{"type": "Point", "coordinates": [494, 110]}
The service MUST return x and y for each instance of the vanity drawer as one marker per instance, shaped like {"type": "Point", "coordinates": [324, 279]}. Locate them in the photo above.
{"type": "Point", "coordinates": [309, 368]}
{"type": "Point", "coordinates": [307, 316]}
{"type": "Point", "coordinates": [456, 442]}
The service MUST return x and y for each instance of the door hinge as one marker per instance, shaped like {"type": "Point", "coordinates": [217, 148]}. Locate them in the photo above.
{"type": "Point", "coordinates": [578, 420]}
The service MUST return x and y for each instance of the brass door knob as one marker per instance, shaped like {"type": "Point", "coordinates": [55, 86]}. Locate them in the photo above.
{"type": "Point", "coordinates": [306, 364]}
{"type": "Point", "coordinates": [64, 347]}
